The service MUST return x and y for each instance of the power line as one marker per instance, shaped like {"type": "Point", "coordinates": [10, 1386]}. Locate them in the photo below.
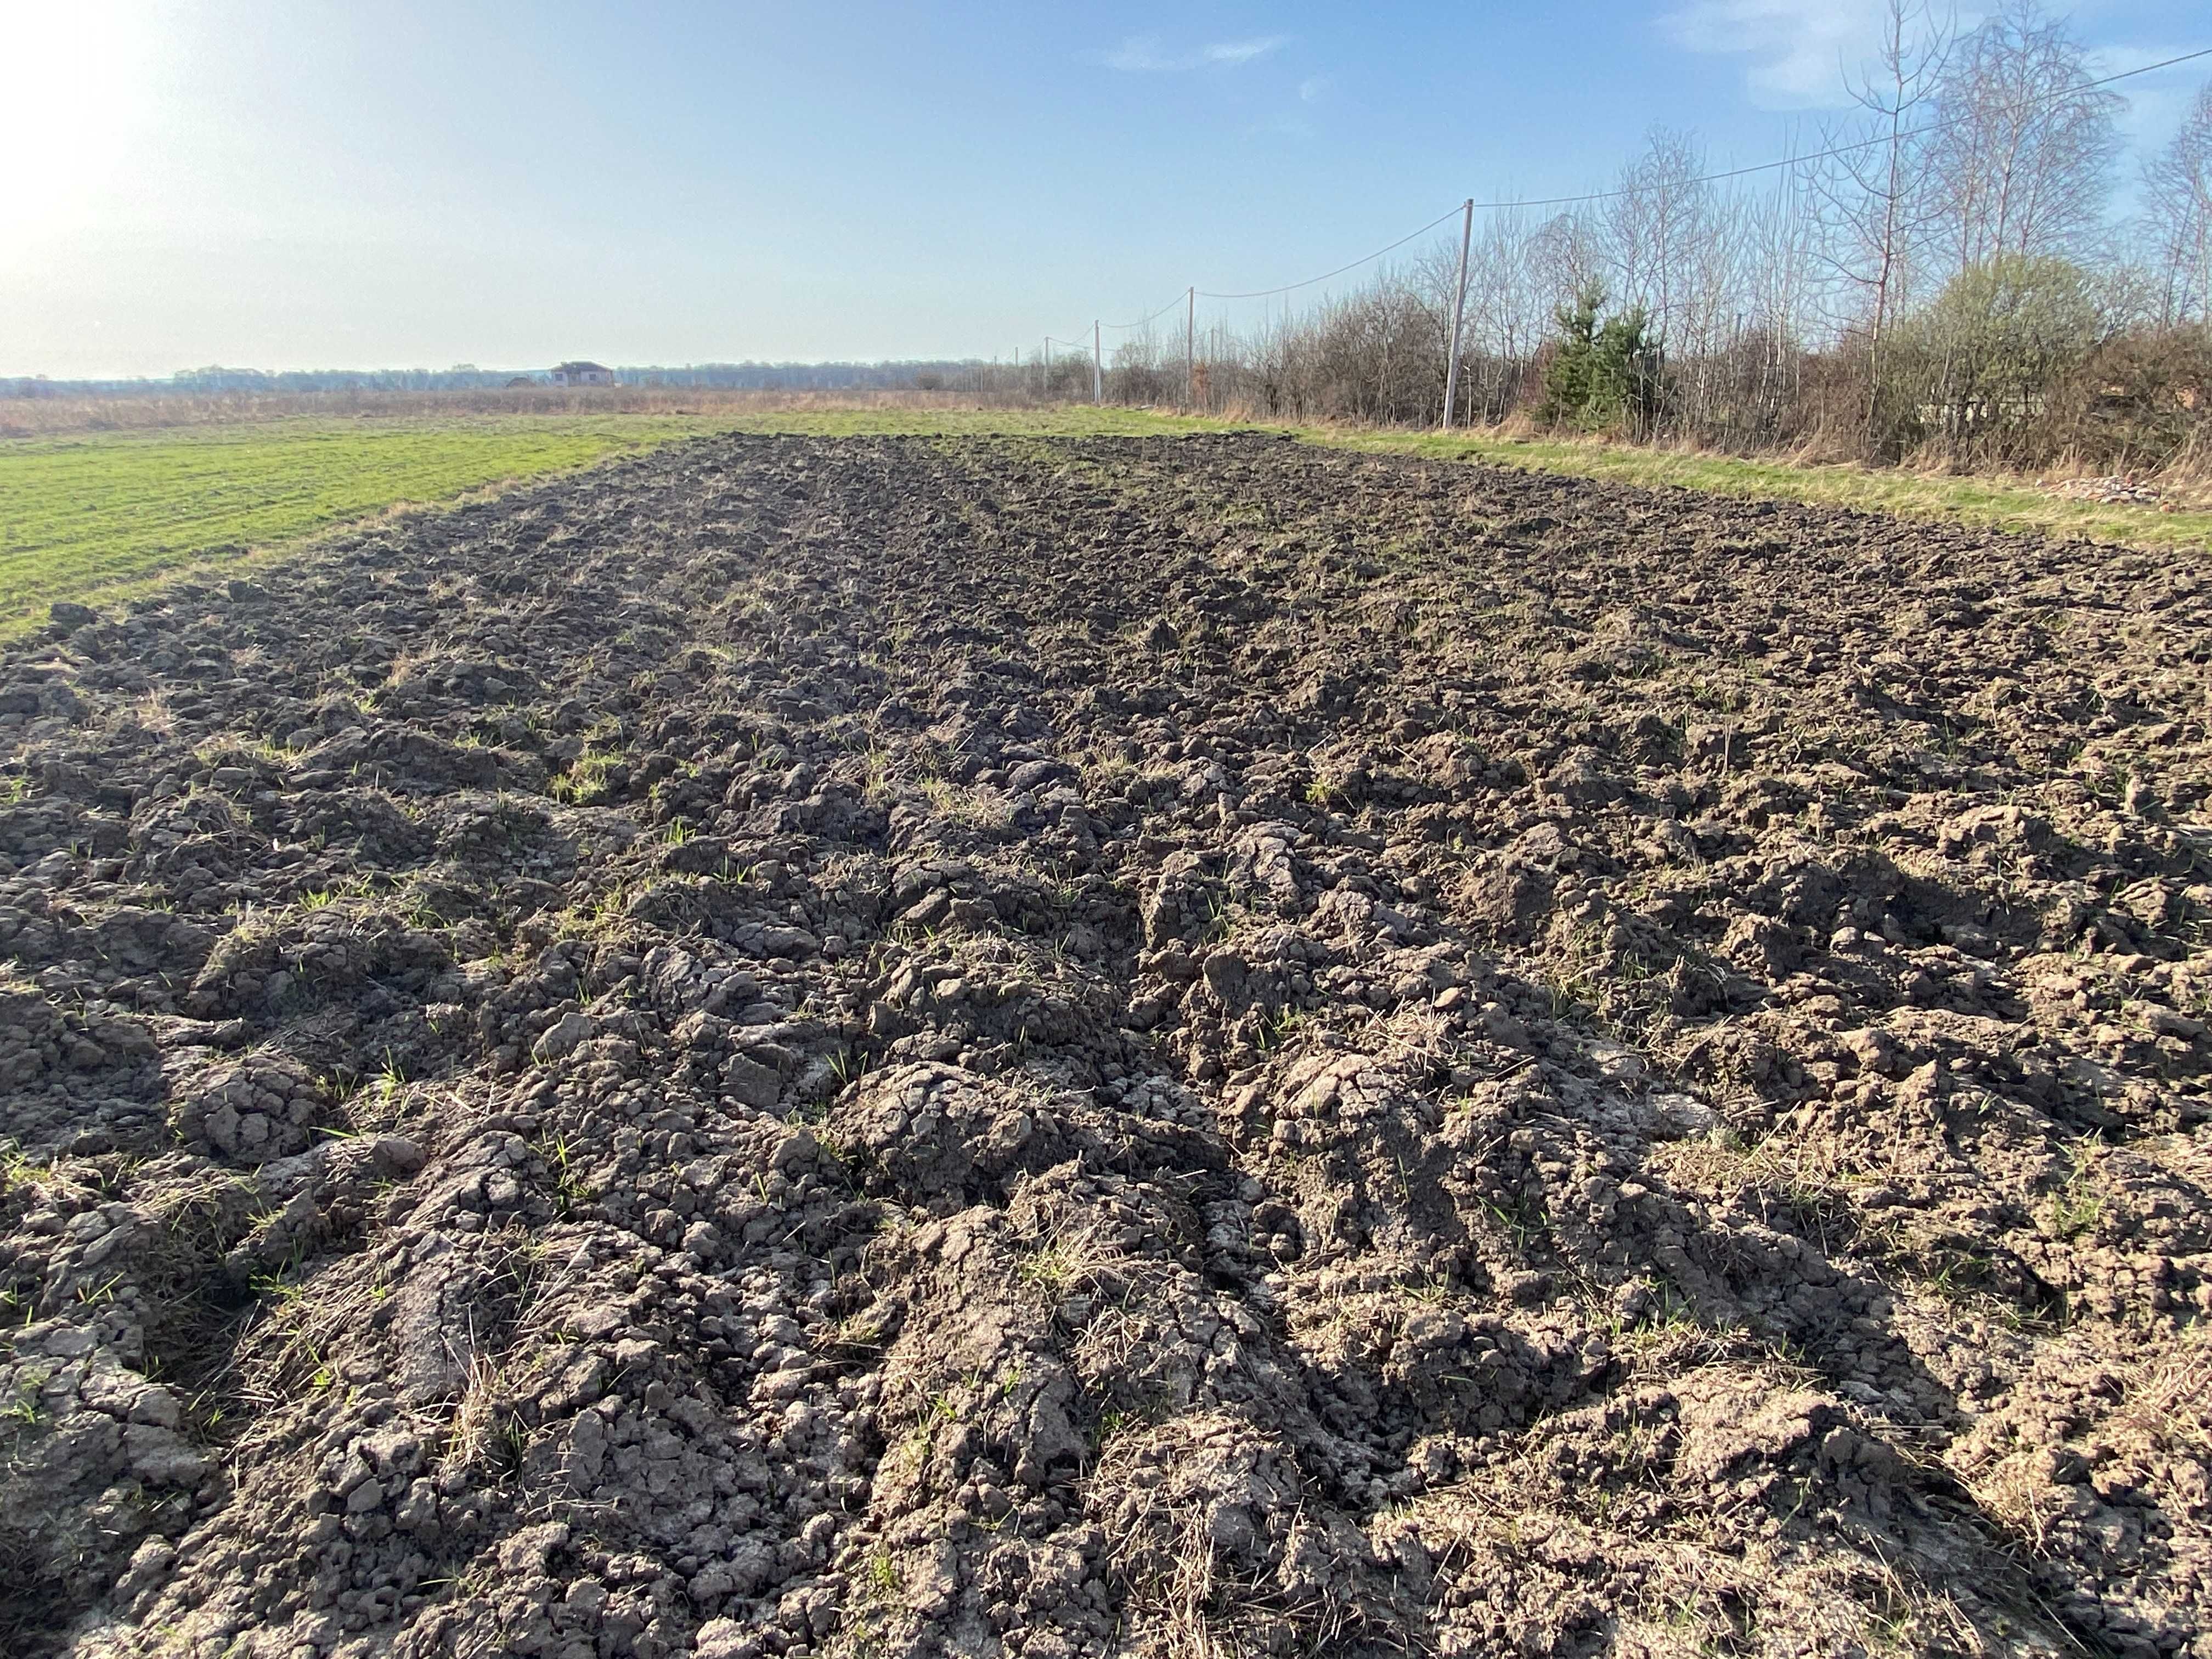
{"type": "Point", "coordinates": [1704, 178]}
{"type": "Point", "coordinates": [1263, 293]}
{"type": "Point", "coordinates": [1161, 313]}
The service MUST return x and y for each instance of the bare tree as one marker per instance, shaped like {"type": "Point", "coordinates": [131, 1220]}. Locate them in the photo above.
{"type": "Point", "coordinates": [1773, 283]}
{"type": "Point", "coordinates": [1508, 311]}
{"type": "Point", "coordinates": [2024, 159]}
{"type": "Point", "coordinates": [1872, 192]}
{"type": "Point", "coordinates": [1563, 256]}
{"type": "Point", "coordinates": [2177, 207]}
{"type": "Point", "coordinates": [1652, 231]}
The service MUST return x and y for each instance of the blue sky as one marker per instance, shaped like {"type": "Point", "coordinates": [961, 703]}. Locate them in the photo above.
{"type": "Point", "coordinates": [405, 183]}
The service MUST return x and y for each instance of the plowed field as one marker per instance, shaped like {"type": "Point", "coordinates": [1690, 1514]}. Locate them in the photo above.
{"type": "Point", "coordinates": [914, 1046]}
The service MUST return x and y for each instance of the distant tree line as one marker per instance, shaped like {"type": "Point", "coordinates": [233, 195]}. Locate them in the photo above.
{"type": "Point", "coordinates": [1953, 280]}
{"type": "Point", "coordinates": [467, 377]}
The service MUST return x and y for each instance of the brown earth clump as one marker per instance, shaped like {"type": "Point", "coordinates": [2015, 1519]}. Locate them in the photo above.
{"type": "Point", "coordinates": [1192, 1047]}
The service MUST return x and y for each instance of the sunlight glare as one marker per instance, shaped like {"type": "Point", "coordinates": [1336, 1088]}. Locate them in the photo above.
{"type": "Point", "coordinates": [76, 98]}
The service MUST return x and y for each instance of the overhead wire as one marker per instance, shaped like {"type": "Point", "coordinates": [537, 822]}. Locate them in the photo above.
{"type": "Point", "coordinates": [1703, 178]}
{"type": "Point", "coordinates": [1157, 315]}
{"type": "Point", "coordinates": [1263, 293]}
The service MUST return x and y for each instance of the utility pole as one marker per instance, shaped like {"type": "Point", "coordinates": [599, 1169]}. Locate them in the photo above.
{"type": "Point", "coordinates": [1098, 366]}
{"type": "Point", "coordinates": [1459, 310]}
{"type": "Point", "coordinates": [1190, 348]}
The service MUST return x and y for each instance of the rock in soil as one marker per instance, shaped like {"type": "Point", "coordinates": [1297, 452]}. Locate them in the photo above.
{"type": "Point", "coordinates": [1151, 1046]}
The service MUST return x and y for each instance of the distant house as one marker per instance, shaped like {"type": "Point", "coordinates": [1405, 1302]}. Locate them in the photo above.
{"type": "Point", "coordinates": [582, 374]}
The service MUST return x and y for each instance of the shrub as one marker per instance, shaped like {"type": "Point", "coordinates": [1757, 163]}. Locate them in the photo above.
{"type": "Point", "coordinates": [2141, 400]}
{"type": "Point", "coordinates": [1977, 364]}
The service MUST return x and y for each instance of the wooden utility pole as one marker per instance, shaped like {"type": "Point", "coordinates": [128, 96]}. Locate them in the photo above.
{"type": "Point", "coordinates": [1190, 347]}
{"type": "Point", "coordinates": [1098, 366]}
{"type": "Point", "coordinates": [1459, 310]}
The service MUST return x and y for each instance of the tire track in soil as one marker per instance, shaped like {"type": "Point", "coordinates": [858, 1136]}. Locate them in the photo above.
{"type": "Point", "coordinates": [1114, 1046]}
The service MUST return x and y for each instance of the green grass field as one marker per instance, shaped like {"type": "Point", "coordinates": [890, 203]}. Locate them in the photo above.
{"type": "Point", "coordinates": [97, 516]}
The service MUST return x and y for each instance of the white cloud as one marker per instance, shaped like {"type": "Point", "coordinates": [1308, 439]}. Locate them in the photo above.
{"type": "Point", "coordinates": [1800, 49]}
{"type": "Point", "coordinates": [1314, 87]}
{"type": "Point", "coordinates": [1142, 54]}
{"type": "Point", "coordinates": [1243, 52]}
{"type": "Point", "coordinates": [1146, 54]}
